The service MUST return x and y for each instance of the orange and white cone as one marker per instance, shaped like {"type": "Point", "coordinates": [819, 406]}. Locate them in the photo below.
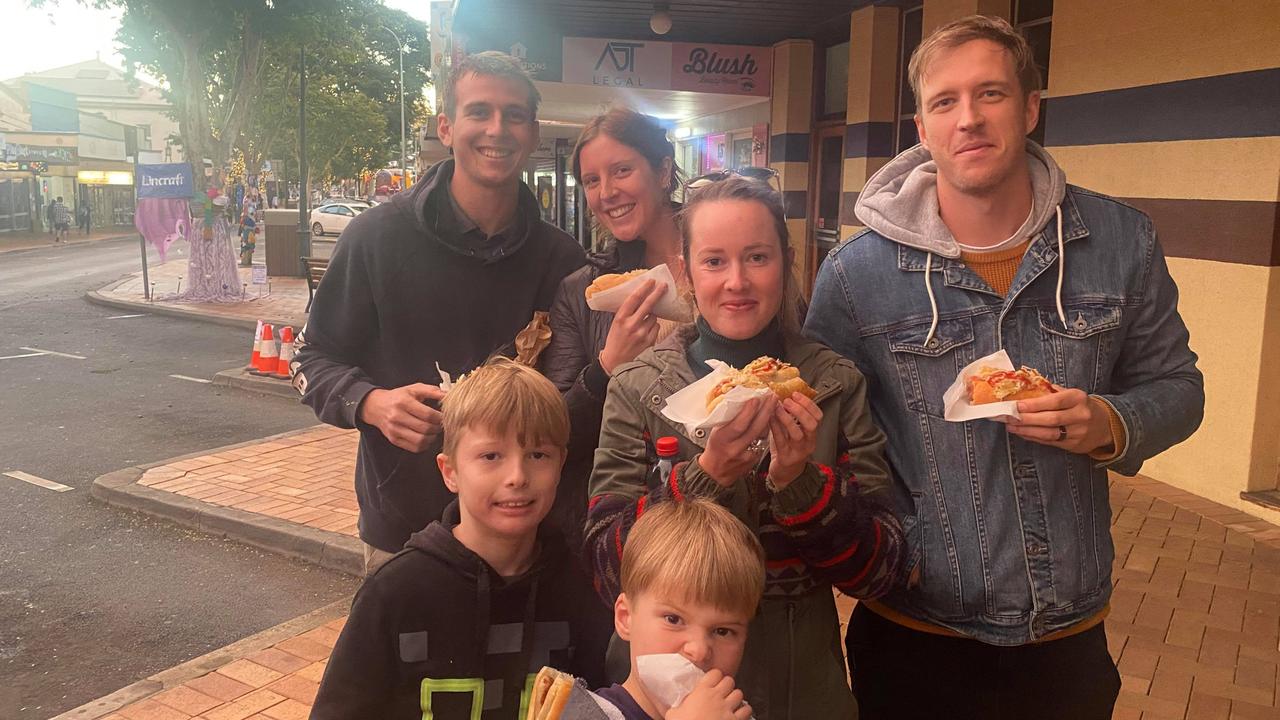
{"type": "Point", "coordinates": [286, 353]}
{"type": "Point", "coordinates": [257, 347]}
{"type": "Point", "coordinates": [268, 356]}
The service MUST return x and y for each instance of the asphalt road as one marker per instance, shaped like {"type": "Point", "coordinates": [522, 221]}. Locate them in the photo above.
{"type": "Point", "coordinates": [94, 598]}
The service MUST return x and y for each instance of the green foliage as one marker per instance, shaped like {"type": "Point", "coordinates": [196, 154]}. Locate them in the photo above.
{"type": "Point", "coordinates": [231, 71]}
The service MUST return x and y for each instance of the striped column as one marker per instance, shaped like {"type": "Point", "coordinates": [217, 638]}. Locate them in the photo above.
{"type": "Point", "coordinates": [872, 107]}
{"type": "Point", "coordinates": [1174, 107]}
{"type": "Point", "coordinates": [940, 12]}
{"type": "Point", "coordinates": [791, 125]}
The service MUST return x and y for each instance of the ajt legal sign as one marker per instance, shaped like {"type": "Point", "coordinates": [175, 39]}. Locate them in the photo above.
{"type": "Point", "coordinates": [165, 180]}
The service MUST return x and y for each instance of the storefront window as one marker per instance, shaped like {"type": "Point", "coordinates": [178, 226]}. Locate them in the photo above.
{"type": "Point", "coordinates": [912, 26]}
{"type": "Point", "coordinates": [15, 205]}
{"type": "Point", "coordinates": [1034, 19]}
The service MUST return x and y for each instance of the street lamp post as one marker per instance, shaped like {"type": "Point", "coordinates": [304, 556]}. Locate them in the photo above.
{"type": "Point", "coordinates": [404, 171]}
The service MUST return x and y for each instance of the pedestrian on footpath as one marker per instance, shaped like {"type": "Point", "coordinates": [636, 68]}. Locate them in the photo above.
{"type": "Point", "coordinates": [482, 598]}
{"type": "Point", "coordinates": [85, 218]}
{"type": "Point", "coordinates": [974, 244]}
{"type": "Point", "coordinates": [443, 276]}
{"type": "Point", "coordinates": [61, 220]}
{"type": "Point", "coordinates": [49, 212]}
{"type": "Point", "coordinates": [626, 167]}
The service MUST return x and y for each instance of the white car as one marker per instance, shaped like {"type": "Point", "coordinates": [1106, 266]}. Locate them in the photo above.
{"type": "Point", "coordinates": [333, 217]}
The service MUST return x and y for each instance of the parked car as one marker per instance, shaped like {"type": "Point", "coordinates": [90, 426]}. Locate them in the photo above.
{"type": "Point", "coordinates": [333, 217]}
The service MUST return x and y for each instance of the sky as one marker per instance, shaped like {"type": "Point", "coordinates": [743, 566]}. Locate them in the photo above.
{"type": "Point", "coordinates": [64, 32]}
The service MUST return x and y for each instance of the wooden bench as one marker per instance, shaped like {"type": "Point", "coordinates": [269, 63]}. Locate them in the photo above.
{"type": "Point", "coordinates": [315, 268]}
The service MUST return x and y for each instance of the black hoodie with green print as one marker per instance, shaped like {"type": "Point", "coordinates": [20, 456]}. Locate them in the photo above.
{"type": "Point", "coordinates": [436, 631]}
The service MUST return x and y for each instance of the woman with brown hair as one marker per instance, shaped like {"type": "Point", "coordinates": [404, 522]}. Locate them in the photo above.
{"type": "Point", "coordinates": [626, 167]}
{"type": "Point", "coordinates": [808, 476]}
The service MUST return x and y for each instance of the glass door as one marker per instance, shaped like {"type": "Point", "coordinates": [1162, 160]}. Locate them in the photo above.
{"type": "Point", "coordinates": [827, 190]}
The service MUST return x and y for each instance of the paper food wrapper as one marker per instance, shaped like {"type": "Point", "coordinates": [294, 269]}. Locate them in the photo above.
{"type": "Point", "coordinates": [533, 339]}
{"type": "Point", "coordinates": [689, 406]}
{"type": "Point", "coordinates": [668, 678]}
{"type": "Point", "coordinates": [955, 401]}
{"type": "Point", "coordinates": [446, 380]}
{"type": "Point", "coordinates": [669, 307]}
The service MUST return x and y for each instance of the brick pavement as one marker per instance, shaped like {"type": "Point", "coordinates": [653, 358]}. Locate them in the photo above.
{"type": "Point", "coordinates": [1194, 624]}
{"type": "Point", "coordinates": [304, 478]}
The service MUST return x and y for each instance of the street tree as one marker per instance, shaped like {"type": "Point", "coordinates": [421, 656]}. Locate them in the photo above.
{"type": "Point", "coordinates": [217, 60]}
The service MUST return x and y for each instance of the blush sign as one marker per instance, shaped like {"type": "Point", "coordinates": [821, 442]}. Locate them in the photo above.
{"type": "Point", "coordinates": [726, 69]}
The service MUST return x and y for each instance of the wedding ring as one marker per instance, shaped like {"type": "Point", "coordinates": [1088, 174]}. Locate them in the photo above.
{"type": "Point", "coordinates": [1062, 433]}
{"type": "Point", "coordinates": [758, 446]}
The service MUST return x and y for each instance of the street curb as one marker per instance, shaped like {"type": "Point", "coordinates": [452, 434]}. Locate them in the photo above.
{"type": "Point", "coordinates": [242, 379]}
{"type": "Point", "coordinates": [71, 243]}
{"type": "Point", "coordinates": [207, 663]}
{"type": "Point", "coordinates": [330, 550]}
{"type": "Point", "coordinates": [99, 297]}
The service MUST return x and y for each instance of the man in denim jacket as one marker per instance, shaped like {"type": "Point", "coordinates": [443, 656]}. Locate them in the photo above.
{"type": "Point", "coordinates": [975, 243]}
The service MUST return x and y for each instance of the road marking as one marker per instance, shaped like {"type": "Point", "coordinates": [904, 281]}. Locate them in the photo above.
{"type": "Point", "coordinates": [13, 357]}
{"type": "Point", "coordinates": [39, 481]}
{"type": "Point", "coordinates": [51, 352]}
{"type": "Point", "coordinates": [122, 317]}
{"type": "Point", "coordinates": [185, 377]}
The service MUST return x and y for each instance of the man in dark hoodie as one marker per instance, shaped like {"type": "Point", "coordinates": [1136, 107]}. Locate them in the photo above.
{"type": "Point", "coordinates": [439, 278]}
{"type": "Point", "coordinates": [975, 244]}
{"type": "Point", "coordinates": [456, 626]}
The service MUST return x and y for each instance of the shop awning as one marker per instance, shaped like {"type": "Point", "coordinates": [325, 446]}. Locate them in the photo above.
{"type": "Point", "coordinates": [740, 22]}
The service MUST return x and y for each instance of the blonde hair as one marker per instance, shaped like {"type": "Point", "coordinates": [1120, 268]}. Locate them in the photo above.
{"type": "Point", "coordinates": [967, 29]}
{"type": "Point", "coordinates": [697, 551]}
{"type": "Point", "coordinates": [502, 395]}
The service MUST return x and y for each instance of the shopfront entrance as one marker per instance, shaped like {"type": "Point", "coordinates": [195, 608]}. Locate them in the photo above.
{"type": "Point", "coordinates": [828, 171]}
{"type": "Point", "coordinates": [15, 204]}
{"type": "Point", "coordinates": [109, 195]}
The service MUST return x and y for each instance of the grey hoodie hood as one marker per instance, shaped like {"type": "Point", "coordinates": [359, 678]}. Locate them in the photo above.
{"type": "Point", "coordinates": [900, 201]}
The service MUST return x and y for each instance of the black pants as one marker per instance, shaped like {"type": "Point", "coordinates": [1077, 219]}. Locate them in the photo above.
{"type": "Point", "coordinates": [904, 674]}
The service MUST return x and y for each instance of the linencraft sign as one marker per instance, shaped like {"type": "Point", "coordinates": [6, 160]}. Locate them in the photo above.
{"type": "Point", "coordinates": [165, 180]}
{"type": "Point", "coordinates": [646, 64]}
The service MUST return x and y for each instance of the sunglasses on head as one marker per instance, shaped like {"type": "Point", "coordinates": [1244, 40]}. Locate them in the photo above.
{"type": "Point", "coordinates": [760, 174]}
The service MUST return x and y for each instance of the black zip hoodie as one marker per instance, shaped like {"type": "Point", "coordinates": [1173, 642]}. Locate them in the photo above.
{"type": "Point", "coordinates": [437, 624]}
{"type": "Point", "coordinates": [409, 287]}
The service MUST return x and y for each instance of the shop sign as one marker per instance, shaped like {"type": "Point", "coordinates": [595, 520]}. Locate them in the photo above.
{"type": "Point", "coordinates": [39, 153]}
{"type": "Point", "coordinates": [617, 63]}
{"type": "Point", "coordinates": [104, 177]}
{"type": "Point", "coordinates": [537, 48]}
{"type": "Point", "coordinates": [165, 180]}
{"type": "Point", "coordinates": [37, 167]}
{"type": "Point", "coordinates": [727, 69]}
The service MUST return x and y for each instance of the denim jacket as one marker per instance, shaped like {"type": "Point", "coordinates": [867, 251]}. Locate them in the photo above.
{"type": "Point", "coordinates": [1010, 540]}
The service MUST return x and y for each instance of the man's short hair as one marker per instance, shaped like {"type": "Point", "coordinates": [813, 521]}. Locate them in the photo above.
{"type": "Point", "coordinates": [696, 551]}
{"type": "Point", "coordinates": [495, 64]}
{"type": "Point", "coordinates": [975, 27]}
{"type": "Point", "coordinates": [503, 395]}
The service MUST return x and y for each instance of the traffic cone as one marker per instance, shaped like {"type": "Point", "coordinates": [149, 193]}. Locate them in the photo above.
{"type": "Point", "coordinates": [268, 355]}
{"type": "Point", "coordinates": [286, 353]}
{"type": "Point", "coordinates": [257, 347]}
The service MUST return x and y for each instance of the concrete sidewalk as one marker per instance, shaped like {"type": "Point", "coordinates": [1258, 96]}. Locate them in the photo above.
{"type": "Point", "coordinates": [1194, 624]}
{"type": "Point", "coordinates": [12, 242]}
{"type": "Point", "coordinates": [282, 301]}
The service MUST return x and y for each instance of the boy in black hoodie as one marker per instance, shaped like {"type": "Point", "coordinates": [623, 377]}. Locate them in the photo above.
{"type": "Point", "coordinates": [458, 623]}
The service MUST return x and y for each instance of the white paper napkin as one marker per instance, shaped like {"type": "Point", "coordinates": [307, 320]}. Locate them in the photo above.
{"type": "Point", "coordinates": [689, 406]}
{"type": "Point", "coordinates": [668, 678]}
{"type": "Point", "coordinates": [955, 401]}
{"type": "Point", "coordinates": [669, 306]}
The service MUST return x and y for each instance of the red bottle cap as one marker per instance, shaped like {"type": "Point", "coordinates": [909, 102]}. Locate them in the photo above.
{"type": "Point", "coordinates": [668, 446]}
